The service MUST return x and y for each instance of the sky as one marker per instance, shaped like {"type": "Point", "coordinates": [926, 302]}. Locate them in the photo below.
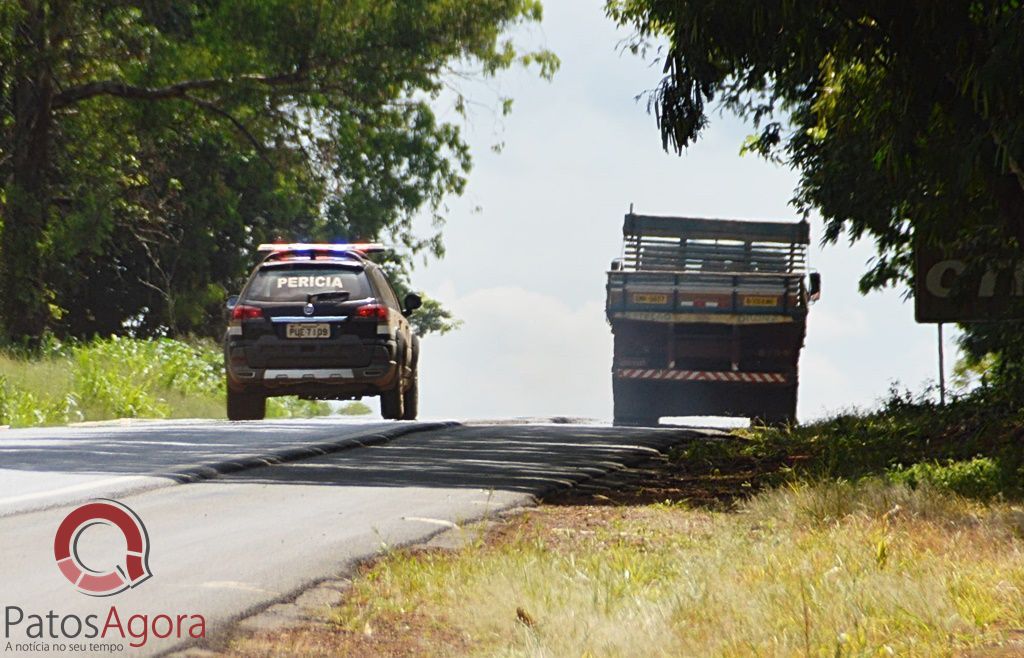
{"type": "Point", "coordinates": [529, 243]}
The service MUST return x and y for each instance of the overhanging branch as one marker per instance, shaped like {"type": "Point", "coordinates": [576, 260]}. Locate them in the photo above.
{"type": "Point", "coordinates": [216, 109]}
{"type": "Point", "coordinates": [121, 89]}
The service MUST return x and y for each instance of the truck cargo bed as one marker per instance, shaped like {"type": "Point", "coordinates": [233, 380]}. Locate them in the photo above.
{"type": "Point", "coordinates": [708, 316]}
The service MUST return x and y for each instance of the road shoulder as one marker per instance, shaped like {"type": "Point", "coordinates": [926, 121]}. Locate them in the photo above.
{"type": "Point", "coordinates": [657, 559]}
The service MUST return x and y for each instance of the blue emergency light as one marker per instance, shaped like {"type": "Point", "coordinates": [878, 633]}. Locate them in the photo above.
{"type": "Point", "coordinates": [361, 247]}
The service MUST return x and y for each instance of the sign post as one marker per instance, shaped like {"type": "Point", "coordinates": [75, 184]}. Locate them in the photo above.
{"type": "Point", "coordinates": [942, 372]}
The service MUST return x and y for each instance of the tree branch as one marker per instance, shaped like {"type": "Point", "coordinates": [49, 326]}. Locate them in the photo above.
{"type": "Point", "coordinates": [181, 89]}
{"type": "Point", "coordinates": [216, 109]}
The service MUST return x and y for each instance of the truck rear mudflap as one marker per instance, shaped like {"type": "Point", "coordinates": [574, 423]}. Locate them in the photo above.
{"type": "Point", "coordinates": [643, 400]}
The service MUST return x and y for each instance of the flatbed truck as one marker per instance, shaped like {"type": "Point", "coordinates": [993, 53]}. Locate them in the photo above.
{"type": "Point", "coordinates": [708, 317]}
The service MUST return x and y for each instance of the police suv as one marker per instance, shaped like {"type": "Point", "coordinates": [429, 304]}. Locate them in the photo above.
{"type": "Point", "coordinates": [320, 321]}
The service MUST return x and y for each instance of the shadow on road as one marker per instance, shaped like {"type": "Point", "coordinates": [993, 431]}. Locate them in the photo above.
{"type": "Point", "coordinates": [145, 448]}
{"type": "Point", "coordinates": [507, 457]}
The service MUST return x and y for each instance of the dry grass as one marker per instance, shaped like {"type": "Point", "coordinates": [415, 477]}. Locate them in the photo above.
{"type": "Point", "coordinates": [810, 570]}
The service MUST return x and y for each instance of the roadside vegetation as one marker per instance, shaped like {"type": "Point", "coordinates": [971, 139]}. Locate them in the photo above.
{"type": "Point", "coordinates": [972, 446]}
{"type": "Point", "coordinates": [109, 378]}
{"type": "Point", "coordinates": [898, 531]}
{"type": "Point", "coordinates": [831, 569]}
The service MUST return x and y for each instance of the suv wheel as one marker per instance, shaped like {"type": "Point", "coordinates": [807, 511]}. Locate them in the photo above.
{"type": "Point", "coordinates": [391, 403]}
{"type": "Point", "coordinates": [411, 398]}
{"type": "Point", "coordinates": [246, 406]}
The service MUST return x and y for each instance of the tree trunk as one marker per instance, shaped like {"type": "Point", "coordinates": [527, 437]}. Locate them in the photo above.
{"type": "Point", "coordinates": [23, 298]}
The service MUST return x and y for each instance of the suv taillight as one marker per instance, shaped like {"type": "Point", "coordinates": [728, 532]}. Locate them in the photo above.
{"type": "Point", "coordinates": [375, 311]}
{"type": "Point", "coordinates": [243, 312]}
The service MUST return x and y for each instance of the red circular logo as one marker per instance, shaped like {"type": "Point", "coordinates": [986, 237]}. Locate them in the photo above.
{"type": "Point", "coordinates": [132, 570]}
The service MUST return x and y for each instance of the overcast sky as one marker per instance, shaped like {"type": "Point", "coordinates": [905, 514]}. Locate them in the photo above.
{"type": "Point", "coordinates": [526, 272]}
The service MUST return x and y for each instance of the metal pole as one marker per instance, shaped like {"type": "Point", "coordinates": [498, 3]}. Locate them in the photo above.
{"type": "Point", "coordinates": [942, 372]}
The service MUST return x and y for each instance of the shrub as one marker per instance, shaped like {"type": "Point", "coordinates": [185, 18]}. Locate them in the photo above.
{"type": "Point", "coordinates": [20, 408]}
{"type": "Point", "coordinates": [980, 477]}
{"type": "Point", "coordinates": [356, 408]}
{"type": "Point", "coordinates": [120, 377]}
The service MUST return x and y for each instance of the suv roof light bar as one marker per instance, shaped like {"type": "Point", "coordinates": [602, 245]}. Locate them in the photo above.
{"type": "Point", "coordinates": [361, 247]}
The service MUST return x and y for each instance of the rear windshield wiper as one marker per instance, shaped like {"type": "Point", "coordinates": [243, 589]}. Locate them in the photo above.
{"type": "Point", "coordinates": [336, 295]}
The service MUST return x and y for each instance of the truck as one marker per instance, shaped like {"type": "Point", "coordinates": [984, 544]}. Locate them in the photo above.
{"type": "Point", "coordinates": [708, 318]}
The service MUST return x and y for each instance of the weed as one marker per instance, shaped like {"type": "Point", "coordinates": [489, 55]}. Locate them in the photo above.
{"type": "Point", "coordinates": [838, 569]}
{"type": "Point", "coordinates": [121, 378]}
{"type": "Point", "coordinates": [980, 477]}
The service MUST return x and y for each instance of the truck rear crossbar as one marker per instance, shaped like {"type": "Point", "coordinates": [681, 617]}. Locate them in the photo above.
{"type": "Point", "coordinates": [702, 375]}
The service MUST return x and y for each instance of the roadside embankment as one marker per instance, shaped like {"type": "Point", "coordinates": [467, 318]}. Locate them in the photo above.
{"type": "Point", "coordinates": [896, 532]}
{"type": "Point", "coordinates": [121, 377]}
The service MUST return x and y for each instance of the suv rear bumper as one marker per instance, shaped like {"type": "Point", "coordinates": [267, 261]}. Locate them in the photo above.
{"type": "Point", "coordinates": [314, 382]}
{"type": "Point", "coordinates": [312, 378]}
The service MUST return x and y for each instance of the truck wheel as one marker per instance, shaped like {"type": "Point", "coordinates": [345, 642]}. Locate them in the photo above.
{"type": "Point", "coordinates": [778, 411]}
{"type": "Point", "coordinates": [772, 421]}
{"type": "Point", "coordinates": [391, 403]}
{"type": "Point", "coordinates": [411, 398]}
{"type": "Point", "coordinates": [635, 421]}
{"type": "Point", "coordinates": [246, 406]}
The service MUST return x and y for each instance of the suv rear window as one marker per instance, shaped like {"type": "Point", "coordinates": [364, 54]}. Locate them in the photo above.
{"type": "Point", "coordinates": [293, 284]}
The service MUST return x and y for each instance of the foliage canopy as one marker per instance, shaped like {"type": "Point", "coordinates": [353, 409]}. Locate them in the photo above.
{"type": "Point", "coordinates": [904, 119]}
{"type": "Point", "coordinates": [147, 146]}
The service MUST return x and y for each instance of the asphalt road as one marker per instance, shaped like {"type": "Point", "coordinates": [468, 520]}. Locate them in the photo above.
{"type": "Point", "coordinates": [45, 466]}
{"type": "Point", "coordinates": [230, 545]}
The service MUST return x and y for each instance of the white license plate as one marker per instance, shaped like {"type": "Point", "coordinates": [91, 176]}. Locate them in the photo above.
{"type": "Point", "coordinates": [312, 330]}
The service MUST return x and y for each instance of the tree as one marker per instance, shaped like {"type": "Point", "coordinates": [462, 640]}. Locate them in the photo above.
{"type": "Point", "coordinates": [146, 146]}
{"type": "Point", "coordinates": [904, 119]}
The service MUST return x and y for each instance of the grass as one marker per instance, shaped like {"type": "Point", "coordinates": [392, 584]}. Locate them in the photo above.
{"type": "Point", "coordinates": [827, 569]}
{"type": "Point", "coordinates": [973, 446]}
{"type": "Point", "coordinates": [893, 532]}
{"type": "Point", "coordinates": [125, 378]}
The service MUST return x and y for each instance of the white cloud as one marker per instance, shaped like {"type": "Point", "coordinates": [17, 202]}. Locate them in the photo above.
{"type": "Point", "coordinates": [520, 353]}
{"type": "Point", "coordinates": [527, 273]}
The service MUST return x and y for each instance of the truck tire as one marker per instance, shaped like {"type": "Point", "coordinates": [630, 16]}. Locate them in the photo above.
{"type": "Point", "coordinates": [635, 421]}
{"type": "Point", "coordinates": [780, 412]}
{"type": "Point", "coordinates": [246, 406]}
{"type": "Point", "coordinates": [392, 405]}
{"type": "Point", "coordinates": [632, 405]}
{"type": "Point", "coordinates": [772, 421]}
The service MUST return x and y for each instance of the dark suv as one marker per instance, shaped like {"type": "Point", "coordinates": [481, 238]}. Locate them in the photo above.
{"type": "Point", "coordinates": [321, 322]}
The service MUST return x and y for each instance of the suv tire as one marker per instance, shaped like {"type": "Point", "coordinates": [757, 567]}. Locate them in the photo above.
{"type": "Point", "coordinates": [411, 398]}
{"type": "Point", "coordinates": [246, 406]}
{"type": "Point", "coordinates": [391, 403]}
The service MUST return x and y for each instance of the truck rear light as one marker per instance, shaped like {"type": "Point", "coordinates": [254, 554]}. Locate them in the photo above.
{"type": "Point", "coordinates": [376, 311]}
{"type": "Point", "coordinates": [243, 312]}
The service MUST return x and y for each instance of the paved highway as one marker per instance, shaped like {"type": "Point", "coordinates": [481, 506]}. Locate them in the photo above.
{"type": "Point", "coordinates": [45, 466]}
{"type": "Point", "coordinates": [229, 545]}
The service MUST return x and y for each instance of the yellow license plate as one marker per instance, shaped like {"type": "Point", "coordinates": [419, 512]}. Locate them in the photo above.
{"type": "Point", "coordinates": [649, 298]}
{"type": "Point", "coordinates": [760, 301]}
{"type": "Point", "coordinates": [312, 330]}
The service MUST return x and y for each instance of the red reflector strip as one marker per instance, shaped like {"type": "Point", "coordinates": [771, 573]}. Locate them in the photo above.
{"type": "Point", "coordinates": [702, 375]}
{"type": "Point", "coordinates": [705, 301]}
